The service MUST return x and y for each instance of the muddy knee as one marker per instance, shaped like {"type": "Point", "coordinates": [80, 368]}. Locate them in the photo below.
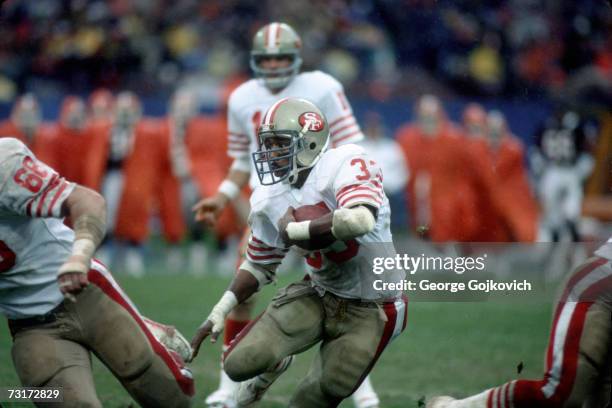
{"type": "Point", "coordinates": [243, 363]}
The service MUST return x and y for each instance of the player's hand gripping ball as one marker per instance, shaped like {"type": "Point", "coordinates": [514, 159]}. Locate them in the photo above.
{"type": "Point", "coordinates": [309, 213]}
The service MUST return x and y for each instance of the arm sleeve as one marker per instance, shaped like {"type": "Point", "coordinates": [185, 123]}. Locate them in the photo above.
{"type": "Point", "coordinates": [359, 181]}
{"type": "Point", "coordinates": [343, 126]}
{"type": "Point", "coordinates": [237, 138]}
{"type": "Point", "coordinates": [28, 186]}
{"type": "Point", "coordinates": [263, 247]}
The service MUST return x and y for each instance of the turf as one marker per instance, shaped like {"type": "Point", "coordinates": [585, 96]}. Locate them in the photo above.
{"type": "Point", "coordinates": [448, 348]}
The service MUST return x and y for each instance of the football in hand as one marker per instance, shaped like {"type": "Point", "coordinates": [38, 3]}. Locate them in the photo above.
{"type": "Point", "coordinates": [309, 213]}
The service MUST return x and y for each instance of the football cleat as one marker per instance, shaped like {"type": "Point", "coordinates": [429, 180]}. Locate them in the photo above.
{"type": "Point", "coordinates": [221, 398]}
{"type": "Point", "coordinates": [225, 395]}
{"type": "Point", "coordinates": [440, 402]}
{"type": "Point", "coordinates": [170, 338]}
{"type": "Point", "coordinates": [365, 396]}
{"type": "Point", "coordinates": [252, 391]}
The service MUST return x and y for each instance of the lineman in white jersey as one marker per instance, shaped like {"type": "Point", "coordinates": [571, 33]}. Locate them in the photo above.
{"type": "Point", "coordinates": [338, 306]}
{"type": "Point", "coordinates": [275, 61]}
{"type": "Point", "coordinates": [578, 357]}
{"type": "Point", "coordinates": [42, 262]}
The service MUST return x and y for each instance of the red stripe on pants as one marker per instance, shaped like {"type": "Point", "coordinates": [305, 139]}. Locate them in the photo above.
{"type": "Point", "coordinates": [97, 278]}
{"type": "Point", "coordinates": [391, 313]}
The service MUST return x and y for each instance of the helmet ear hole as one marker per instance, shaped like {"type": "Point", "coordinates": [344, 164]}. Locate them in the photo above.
{"type": "Point", "coordinates": [312, 145]}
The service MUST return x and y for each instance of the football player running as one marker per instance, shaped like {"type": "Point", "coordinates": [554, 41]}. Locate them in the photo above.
{"type": "Point", "coordinates": [337, 305]}
{"type": "Point", "coordinates": [62, 304]}
{"type": "Point", "coordinates": [578, 361]}
{"type": "Point", "coordinates": [275, 61]}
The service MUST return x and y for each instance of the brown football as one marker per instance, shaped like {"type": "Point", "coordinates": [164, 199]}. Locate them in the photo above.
{"type": "Point", "coordinates": [309, 213]}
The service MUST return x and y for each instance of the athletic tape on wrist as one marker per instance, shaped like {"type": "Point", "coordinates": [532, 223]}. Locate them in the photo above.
{"type": "Point", "coordinates": [229, 188]}
{"type": "Point", "coordinates": [298, 230]}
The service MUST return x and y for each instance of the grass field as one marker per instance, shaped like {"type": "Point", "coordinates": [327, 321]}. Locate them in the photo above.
{"type": "Point", "coordinates": [450, 348]}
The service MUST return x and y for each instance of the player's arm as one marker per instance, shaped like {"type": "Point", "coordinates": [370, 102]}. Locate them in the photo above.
{"type": "Point", "coordinates": [30, 188]}
{"type": "Point", "coordinates": [209, 209]}
{"type": "Point", "coordinates": [343, 126]}
{"type": "Point", "coordinates": [358, 190]}
{"type": "Point", "coordinates": [343, 223]}
{"type": "Point", "coordinates": [257, 270]}
{"type": "Point", "coordinates": [87, 211]}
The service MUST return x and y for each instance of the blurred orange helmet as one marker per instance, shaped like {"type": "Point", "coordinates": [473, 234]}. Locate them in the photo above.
{"type": "Point", "coordinates": [26, 113]}
{"type": "Point", "coordinates": [128, 109]}
{"type": "Point", "coordinates": [101, 104]}
{"type": "Point", "coordinates": [73, 113]}
{"type": "Point", "coordinates": [475, 120]}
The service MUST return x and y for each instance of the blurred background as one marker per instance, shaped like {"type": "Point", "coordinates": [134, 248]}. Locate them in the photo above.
{"type": "Point", "coordinates": [500, 111]}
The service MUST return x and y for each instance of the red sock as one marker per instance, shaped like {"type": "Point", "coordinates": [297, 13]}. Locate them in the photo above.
{"type": "Point", "coordinates": [232, 329]}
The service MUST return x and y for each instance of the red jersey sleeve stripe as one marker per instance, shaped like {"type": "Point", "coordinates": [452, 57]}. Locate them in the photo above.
{"type": "Point", "coordinates": [260, 249]}
{"type": "Point", "coordinates": [29, 206]}
{"type": "Point", "coordinates": [341, 119]}
{"type": "Point", "coordinates": [336, 132]}
{"type": "Point", "coordinates": [57, 195]}
{"type": "Point", "coordinates": [264, 257]}
{"type": "Point", "coordinates": [354, 198]}
{"type": "Point", "coordinates": [257, 240]}
{"type": "Point", "coordinates": [340, 139]}
{"type": "Point", "coordinates": [363, 188]}
{"type": "Point", "coordinates": [55, 181]}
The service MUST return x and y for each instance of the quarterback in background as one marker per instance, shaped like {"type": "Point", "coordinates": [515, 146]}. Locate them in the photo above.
{"type": "Point", "coordinates": [275, 61]}
{"type": "Point", "coordinates": [61, 304]}
{"type": "Point", "coordinates": [330, 204]}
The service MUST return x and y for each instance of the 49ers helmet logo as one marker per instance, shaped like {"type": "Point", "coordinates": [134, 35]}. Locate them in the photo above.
{"type": "Point", "coordinates": [316, 121]}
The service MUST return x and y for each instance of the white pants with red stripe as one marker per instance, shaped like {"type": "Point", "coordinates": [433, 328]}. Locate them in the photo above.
{"type": "Point", "coordinates": [578, 358]}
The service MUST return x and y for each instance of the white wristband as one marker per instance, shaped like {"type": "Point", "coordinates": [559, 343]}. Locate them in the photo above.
{"type": "Point", "coordinates": [84, 247]}
{"type": "Point", "coordinates": [229, 188]}
{"type": "Point", "coordinates": [298, 230]}
{"type": "Point", "coordinates": [225, 305]}
{"type": "Point", "coordinates": [80, 258]}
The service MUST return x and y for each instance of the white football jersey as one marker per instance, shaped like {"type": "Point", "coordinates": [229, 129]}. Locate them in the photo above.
{"type": "Point", "coordinates": [249, 102]}
{"type": "Point", "coordinates": [33, 240]}
{"type": "Point", "coordinates": [344, 177]}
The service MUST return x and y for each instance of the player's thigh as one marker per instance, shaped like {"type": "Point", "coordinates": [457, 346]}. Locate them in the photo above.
{"type": "Point", "coordinates": [292, 323]}
{"type": "Point", "coordinates": [116, 333]}
{"type": "Point", "coordinates": [113, 334]}
{"type": "Point", "coordinates": [347, 359]}
{"type": "Point", "coordinates": [42, 358]}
